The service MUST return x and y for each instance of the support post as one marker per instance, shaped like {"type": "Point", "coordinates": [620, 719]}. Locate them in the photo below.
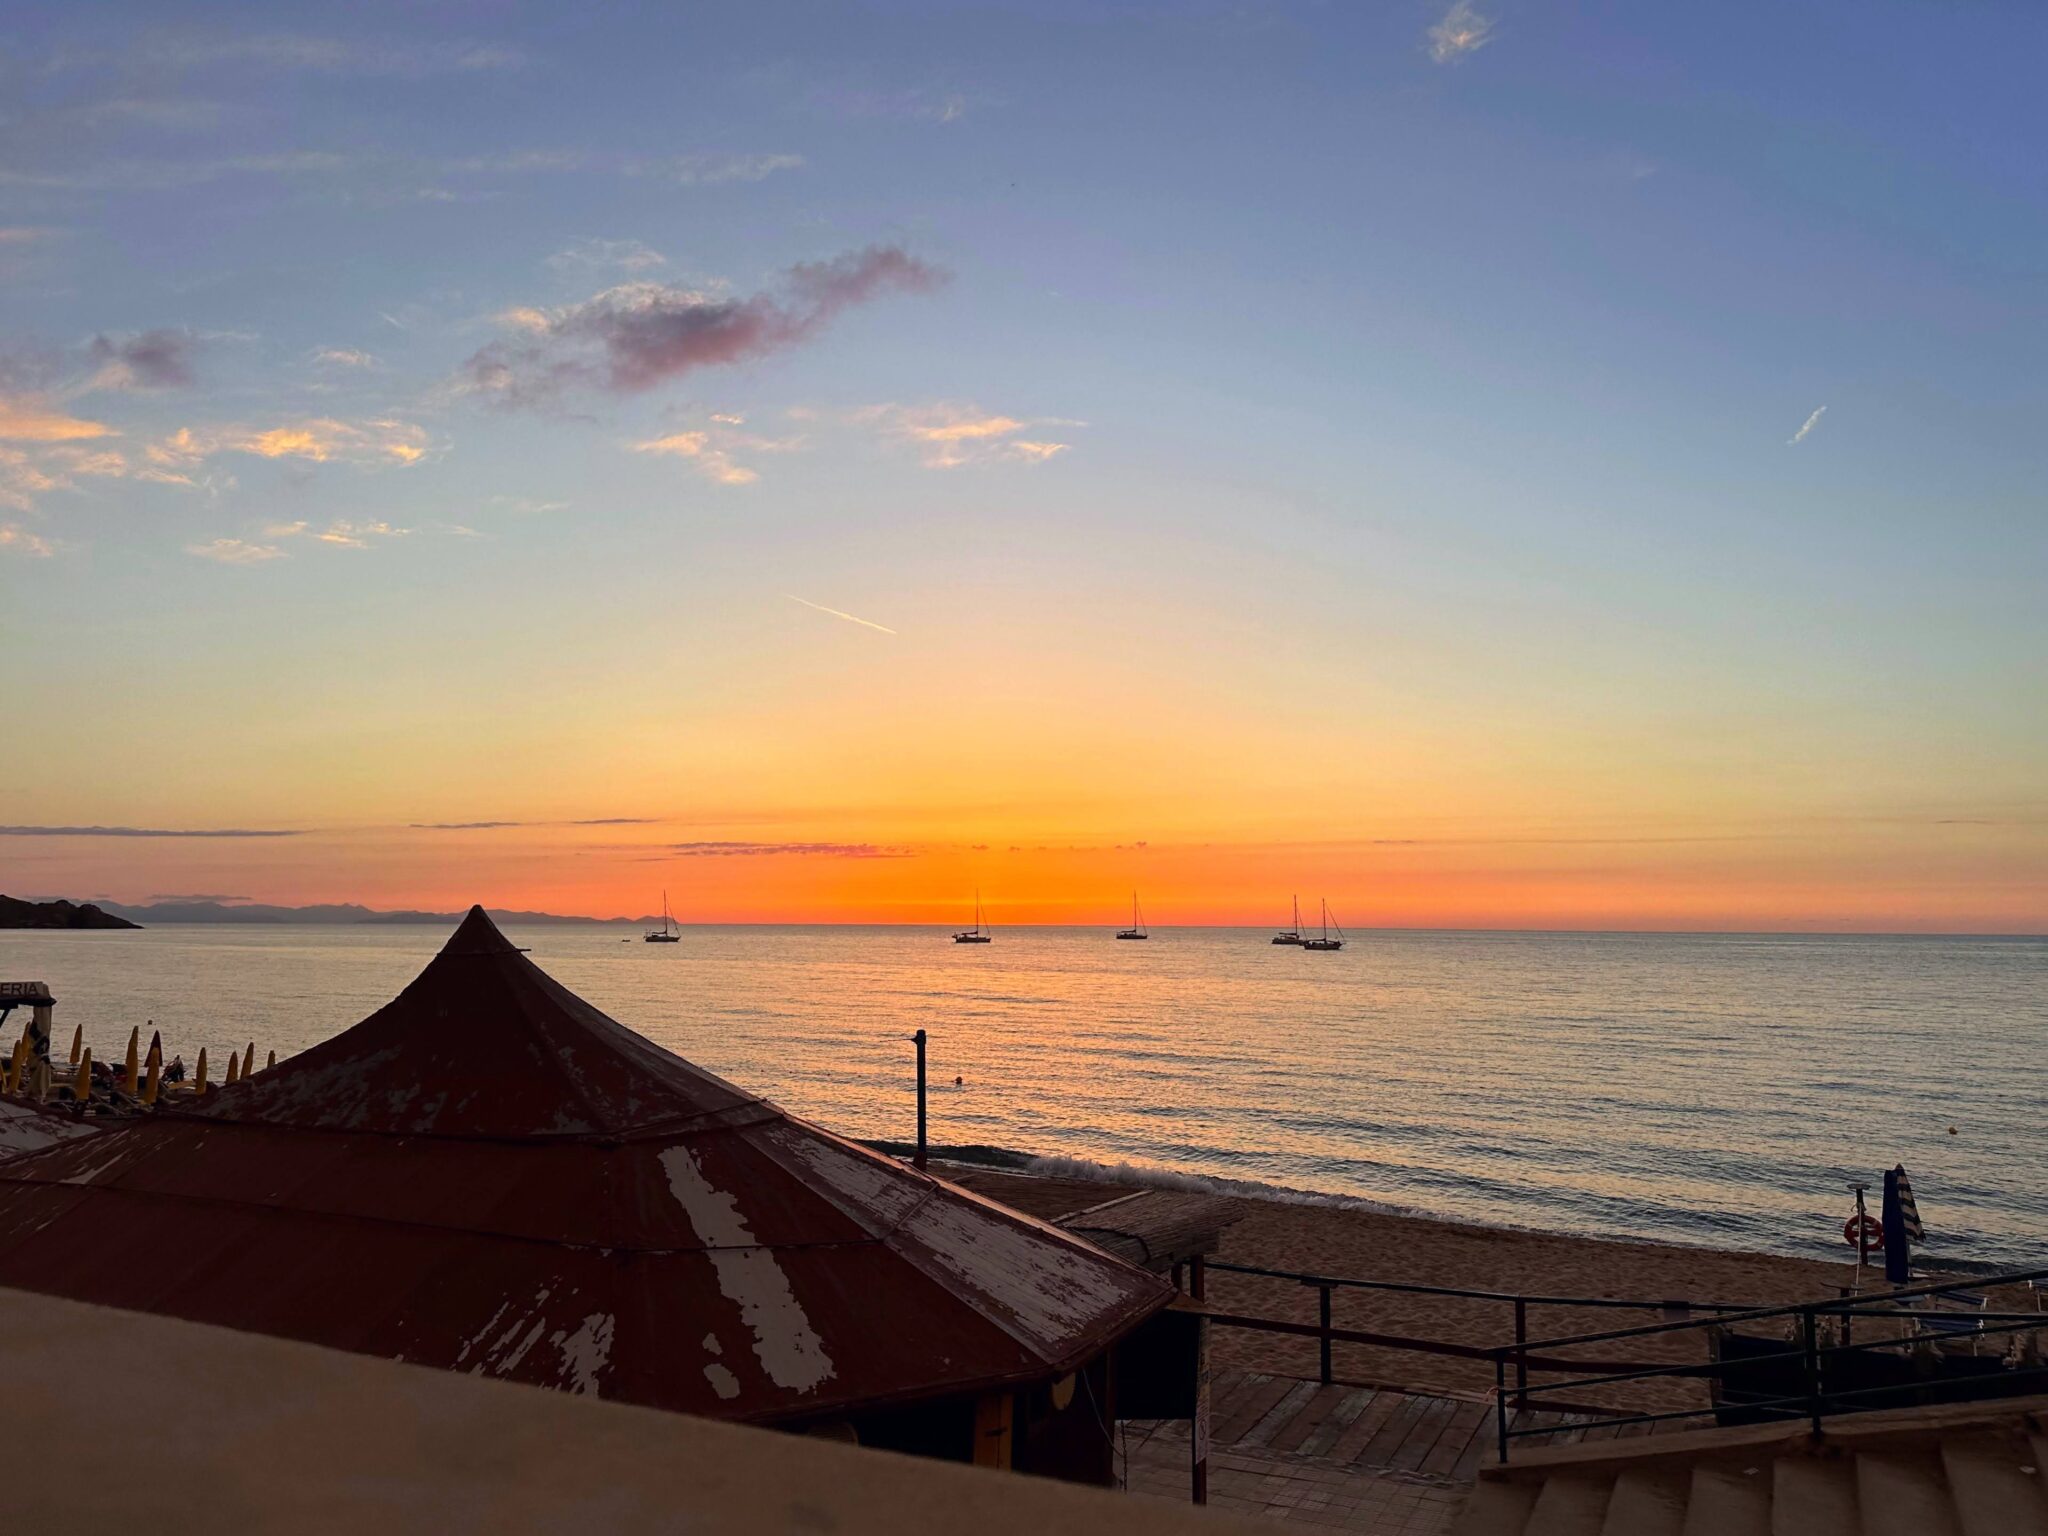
{"type": "Point", "coordinates": [1323, 1316]}
{"type": "Point", "coordinates": [1500, 1406]}
{"type": "Point", "coordinates": [1810, 1326]}
{"type": "Point", "coordinates": [1521, 1352]}
{"type": "Point", "coordinates": [919, 1160]}
{"type": "Point", "coordinates": [1199, 1437]}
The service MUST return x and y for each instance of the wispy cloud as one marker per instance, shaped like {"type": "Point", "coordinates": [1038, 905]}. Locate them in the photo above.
{"type": "Point", "coordinates": [1805, 427]}
{"type": "Point", "coordinates": [776, 850]}
{"type": "Point", "coordinates": [462, 826]}
{"type": "Point", "coordinates": [591, 255]}
{"type": "Point", "coordinates": [1461, 30]}
{"type": "Point", "coordinates": [343, 357]}
{"type": "Point", "coordinates": [950, 435]}
{"type": "Point", "coordinates": [713, 462]}
{"type": "Point", "coordinates": [17, 540]}
{"type": "Point", "coordinates": [149, 832]}
{"type": "Point", "coordinates": [25, 234]}
{"type": "Point", "coordinates": [838, 613]}
{"type": "Point", "coordinates": [28, 420]}
{"type": "Point", "coordinates": [343, 534]}
{"type": "Point", "coordinates": [638, 335]}
{"type": "Point", "coordinates": [712, 170]}
{"type": "Point", "coordinates": [299, 52]}
{"type": "Point", "coordinates": [316, 439]}
{"type": "Point", "coordinates": [159, 359]}
{"type": "Point", "coordinates": [235, 552]}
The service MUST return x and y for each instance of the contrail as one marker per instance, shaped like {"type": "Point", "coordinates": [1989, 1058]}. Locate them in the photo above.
{"type": "Point", "coordinates": [1811, 422]}
{"type": "Point", "coordinates": [850, 618]}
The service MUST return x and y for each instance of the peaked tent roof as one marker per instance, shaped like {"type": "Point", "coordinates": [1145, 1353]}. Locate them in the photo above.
{"type": "Point", "coordinates": [488, 1174]}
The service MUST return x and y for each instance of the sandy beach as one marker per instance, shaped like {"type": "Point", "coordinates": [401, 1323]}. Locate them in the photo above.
{"type": "Point", "coordinates": [1353, 1242]}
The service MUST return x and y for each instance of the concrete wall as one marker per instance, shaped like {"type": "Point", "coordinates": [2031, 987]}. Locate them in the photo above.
{"type": "Point", "coordinates": [121, 1421]}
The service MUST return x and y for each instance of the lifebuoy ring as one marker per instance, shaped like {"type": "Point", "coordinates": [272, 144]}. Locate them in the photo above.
{"type": "Point", "coordinates": [1870, 1228]}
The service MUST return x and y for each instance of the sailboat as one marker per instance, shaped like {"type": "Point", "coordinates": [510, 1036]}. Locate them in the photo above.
{"type": "Point", "coordinates": [1325, 942]}
{"type": "Point", "coordinates": [1291, 935]}
{"type": "Point", "coordinates": [666, 933]}
{"type": "Point", "coordinates": [1137, 928]}
{"type": "Point", "coordinates": [977, 934]}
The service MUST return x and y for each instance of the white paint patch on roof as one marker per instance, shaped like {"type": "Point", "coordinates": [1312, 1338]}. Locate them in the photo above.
{"type": "Point", "coordinates": [23, 1130]}
{"type": "Point", "coordinates": [1045, 1294]}
{"type": "Point", "coordinates": [585, 1353]}
{"type": "Point", "coordinates": [723, 1382]}
{"type": "Point", "coordinates": [711, 1343]}
{"type": "Point", "coordinates": [784, 1342]}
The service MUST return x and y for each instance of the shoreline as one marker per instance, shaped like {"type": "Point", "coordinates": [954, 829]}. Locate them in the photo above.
{"type": "Point", "coordinates": [1126, 1177]}
{"type": "Point", "coordinates": [1352, 1241]}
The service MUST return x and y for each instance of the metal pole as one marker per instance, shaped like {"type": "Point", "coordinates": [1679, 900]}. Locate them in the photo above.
{"type": "Point", "coordinates": [1810, 1321]}
{"type": "Point", "coordinates": [1521, 1352]}
{"type": "Point", "coordinates": [1199, 1436]}
{"type": "Point", "coordinates": [1323, 1314]}
{"type": "Point", "coordinates": [1500, 1405]}
{"type": "Point", "coordinates": [918, 1161]}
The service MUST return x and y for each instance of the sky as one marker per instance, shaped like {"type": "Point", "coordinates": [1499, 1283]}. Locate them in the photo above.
{"type": "Point", "coordinates": [1497, 464]}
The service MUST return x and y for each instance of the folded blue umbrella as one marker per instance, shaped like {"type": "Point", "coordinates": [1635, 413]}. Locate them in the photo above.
{"type": "Point", "coordinates": [1901, 1222]}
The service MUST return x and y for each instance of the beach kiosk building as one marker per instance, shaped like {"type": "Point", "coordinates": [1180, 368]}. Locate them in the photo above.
{"type": "Point", "coordinates": [488, 1175]}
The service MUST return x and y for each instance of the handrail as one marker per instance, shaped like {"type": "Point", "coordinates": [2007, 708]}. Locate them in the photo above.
{"type": "Point", "coordinates": [1820, 1398]}
{"type": "Point", "coordinates": [1345, 1282]}
{"type": "Point", "coordinates": [1854, 1306]}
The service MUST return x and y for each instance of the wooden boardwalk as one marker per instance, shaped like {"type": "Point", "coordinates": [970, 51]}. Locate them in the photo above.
{"type": "Point", "coordinates": [1377, 1430]}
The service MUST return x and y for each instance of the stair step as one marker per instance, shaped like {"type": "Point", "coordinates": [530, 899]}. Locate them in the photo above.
{"type": "Point", "coordinates": [1729, 1500]}
{"type": "Point", "coordinates": [1571, 1504]}
{"type": "Point", "coordinates": [1648, 1501]}
{"type": "Point", "coordinates": [1497, 1509]}
{"type": "Point", "coordinates": [1993, 1497]}
{"type": "Point", "coordinates": [1903, 1493]}
{"type": "Point", "coordinates": [1813, 1496]}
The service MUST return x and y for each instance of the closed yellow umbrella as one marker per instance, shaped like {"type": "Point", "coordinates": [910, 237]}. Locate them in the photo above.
{"type": "Point", "coordinates": [81, 1085]}
{"type": "Point", "coordinates": [14, 1064]}
{"type": "Point", "coordinates": [156, 1076]}
{"type": "Point", "coordinates": [199, 1076]}
{"type": "Point", "coordinates": [234, 1068]}
{"type": "Point", "coordinates": [249, 1059]}
{"type": "Point", "coordinates": [131, 1079]}
{"type": "Point", "coordinates": [77, 1039]}
{"type": "Point", "coordinates": [270, 1061]}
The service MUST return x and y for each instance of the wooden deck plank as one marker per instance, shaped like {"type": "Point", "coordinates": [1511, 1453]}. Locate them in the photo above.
{"type": "Point", "coordinates": [1289, 1404]}
{"type": "Point", "coordinates": [1252, 1407]}
{"type": "Point", "coordinates": [1342, 1417]}
{"type": "Point", "coordinates": [1469, 1421]}
{"type": "Point", "coordinates": [1392, 1433]}
{"type": "Point", "coordinates": [1422, 1434]}
{"type": "Point", "coordinates": [1369, 1423]}
{"type": "Point", "coordinates": [1306, 1422]}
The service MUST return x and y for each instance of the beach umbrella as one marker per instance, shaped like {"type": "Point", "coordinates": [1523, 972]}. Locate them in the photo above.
{"type": "Point", "coordinates": [81, 1084]}
{"type": "Point", "coordinates": [249, 1059]}
{"type": "Point", "coordinates": [131, 1078]}
{"type": "Point", "coordinates": [77, 1039]}
{"type": "Point", "coordinates": [154, 1082]}
{"type": "Point", "coordinates": [234, 1068]}
{"type": "Point", "coordinates": [1901, 1226]}
{"type": "Point", "coordinates": [199, 1081]}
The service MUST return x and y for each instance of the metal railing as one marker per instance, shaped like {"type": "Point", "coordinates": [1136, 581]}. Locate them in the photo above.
{"type": "Point", "coordinates": [1329, 1335]}
{"type": "Point", "coordinates": [1816, 1397]}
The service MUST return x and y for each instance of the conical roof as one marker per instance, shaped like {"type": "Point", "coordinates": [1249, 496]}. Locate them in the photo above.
{"type": "Point", "coordinates": [488, 1174]}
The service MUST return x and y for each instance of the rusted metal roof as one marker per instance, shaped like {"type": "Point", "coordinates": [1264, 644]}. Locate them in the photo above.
{"type": "Point", "coordinates": [489, 1175]}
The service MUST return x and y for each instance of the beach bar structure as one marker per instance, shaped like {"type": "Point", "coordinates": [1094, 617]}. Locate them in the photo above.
{"type": "Point", "coordinates": [490, 1176]}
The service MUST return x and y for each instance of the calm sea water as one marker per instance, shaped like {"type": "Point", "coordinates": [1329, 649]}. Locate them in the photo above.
{"type": "Point", "coordinates": [1717, 1090]}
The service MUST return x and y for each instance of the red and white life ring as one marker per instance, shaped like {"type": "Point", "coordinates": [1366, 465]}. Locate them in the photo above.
{"type": "Point", "coordinates": [1869, 1228]}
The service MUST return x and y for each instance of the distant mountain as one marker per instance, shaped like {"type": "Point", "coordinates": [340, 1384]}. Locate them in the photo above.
{"type": "Point", "coordinates": [342, 912]}
{"type": "Point", "coordinates": [57, 914]}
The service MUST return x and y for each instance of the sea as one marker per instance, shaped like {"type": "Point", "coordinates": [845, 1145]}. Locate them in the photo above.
{"type": "Point", "coordinates": [1714, 1090]}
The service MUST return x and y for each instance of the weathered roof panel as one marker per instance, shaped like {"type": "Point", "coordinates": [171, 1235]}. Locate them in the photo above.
{"type": "Point", "coordinates": [489, 1175]}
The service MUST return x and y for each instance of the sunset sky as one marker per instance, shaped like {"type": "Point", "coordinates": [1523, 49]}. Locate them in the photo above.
{"type": "Point", "coordinates": [1507, 464]}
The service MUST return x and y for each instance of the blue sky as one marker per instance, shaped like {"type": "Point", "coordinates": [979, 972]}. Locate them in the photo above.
{"type": "Point", "coordinates": [1403, 393]}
